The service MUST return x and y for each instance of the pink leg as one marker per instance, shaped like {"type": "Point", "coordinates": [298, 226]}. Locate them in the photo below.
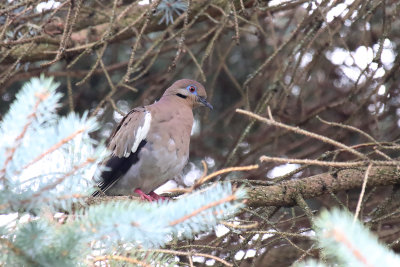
{"type": "Point", "coordinates": [143, 195]}
{"type": "Point", "coordinates": [157, 197]}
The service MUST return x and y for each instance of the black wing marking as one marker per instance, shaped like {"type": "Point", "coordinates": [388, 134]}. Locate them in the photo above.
{"type": "Point", "coordinates": [117, 167]}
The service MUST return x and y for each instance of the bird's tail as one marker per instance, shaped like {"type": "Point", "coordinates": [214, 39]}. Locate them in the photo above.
{"type": "Point", "coordinates": [97, 193]}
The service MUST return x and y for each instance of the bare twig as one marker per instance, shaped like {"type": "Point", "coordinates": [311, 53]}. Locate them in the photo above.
{"type": "Point", "coordinates": [301, 131]}
{"type": "Point", "coordinates": [360, 199]}
{"type": "Point", "coordinates": [182, 253]}
{"type": "Point", "coordinates": [206, 207]}
{"type": "Point", "coordinates": [121, 258]}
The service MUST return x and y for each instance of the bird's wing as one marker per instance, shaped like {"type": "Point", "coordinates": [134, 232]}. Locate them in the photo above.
{"type": "Point", "coordinates": [126, 142]}
{"type": "Point", "coordinates": [132, 129]}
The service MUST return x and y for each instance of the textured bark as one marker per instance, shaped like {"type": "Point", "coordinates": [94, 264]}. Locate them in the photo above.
{"type": "Point", "coordinates": [284, 194]}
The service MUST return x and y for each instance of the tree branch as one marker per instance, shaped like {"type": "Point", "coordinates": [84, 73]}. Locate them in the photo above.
{"type": "Point", "coordinates": [285, 193]}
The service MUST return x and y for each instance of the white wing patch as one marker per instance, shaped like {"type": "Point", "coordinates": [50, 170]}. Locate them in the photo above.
{"type": "Point", "coordinates": [140, 134]}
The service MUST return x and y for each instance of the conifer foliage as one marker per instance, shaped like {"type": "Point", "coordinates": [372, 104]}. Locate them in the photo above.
{"type": "Point", "coordinates": [46, 167]}
{"type": "Point", "coordinates": [346, 242]}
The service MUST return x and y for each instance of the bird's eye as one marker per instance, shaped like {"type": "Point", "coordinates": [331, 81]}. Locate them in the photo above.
{"type": "Point", "coordinates": [192, 89]}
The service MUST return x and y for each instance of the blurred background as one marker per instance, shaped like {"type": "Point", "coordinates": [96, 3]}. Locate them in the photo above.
{"type": "Point", "coordinates": [310, 62]}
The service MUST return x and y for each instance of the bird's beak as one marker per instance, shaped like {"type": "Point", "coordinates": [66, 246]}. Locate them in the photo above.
{"type": "Point", "coordinates": [204, 102]}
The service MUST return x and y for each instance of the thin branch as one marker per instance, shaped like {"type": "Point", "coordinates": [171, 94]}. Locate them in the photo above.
{"type": "Point", "coordinates": [206, 178]}
{"type": "Point", "coordinates": [235, 19]}
{"type": "Point", "coordinates": [304, 206]}
{"type": "Point", "coordinates": [240, 226]}
{"type": "Point", "coordinates": [121, 258]}
{"type": "Point", "coordinates": [364, 185]}
{"type": "Point", "coordinates": [331, 163]}
{"type": "Point", "coordinates": [226, 170]}
{"type": "Point", "coordinates": [349, 127]}
{"type": "Point", "coordinates": [340, 237]}
{"type": "Point", "coordinates": [130, 69]}
{"type": "Point", "coordinates": [206, 207]}
{"type": "Point", "coordinates": [17, 251]}
{"type": "Point", "coordinates": [69, 23]}
{"type": "Point", "coordinates": [181, 42]}
{"type": "Point", "coordinates": [182, 253]}
{"type": "Point", "coordinates": [17, 142]}
{"type": "Point", "coordinates": [62, 178]}
{"type": "Point", "coordinates": [54, 147]}
{"type": "Point", "coordinates": [301, 131]}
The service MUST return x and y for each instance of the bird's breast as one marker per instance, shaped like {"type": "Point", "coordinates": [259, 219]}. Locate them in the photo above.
{"type": "Point", "coordinates": [172, 133]}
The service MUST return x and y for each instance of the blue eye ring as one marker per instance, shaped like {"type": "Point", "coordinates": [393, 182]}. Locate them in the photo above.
{"type": "Point", "coordinates": [192, 89]}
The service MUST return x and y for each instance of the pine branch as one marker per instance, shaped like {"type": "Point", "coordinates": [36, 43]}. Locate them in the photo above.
{"type": "Point", "coordinates": [182, 217]}
{"type": "Point", "coordinates": [350, 244]}
{"type": "Point", "coordinates": [44, 156]}
{"type": "Point", "coordinates": [50, 169]}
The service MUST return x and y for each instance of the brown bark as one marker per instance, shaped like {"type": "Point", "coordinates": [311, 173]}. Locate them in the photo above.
{"type": "Point", "coordinates": [284, 194]}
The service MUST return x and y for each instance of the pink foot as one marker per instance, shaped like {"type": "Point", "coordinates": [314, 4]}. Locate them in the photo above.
{"type": "Point", "coordinates": [157, 197]}
{"type": "Point", "coordinates": [143, 195]}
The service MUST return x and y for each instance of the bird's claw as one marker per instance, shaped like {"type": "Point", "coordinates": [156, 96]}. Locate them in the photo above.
{"type": "Point", "coordinates": [157, 197]}
{"type": "Point", "coordinates": [150, 197]}
{"type": "Point", "coordinates": [143, 195]}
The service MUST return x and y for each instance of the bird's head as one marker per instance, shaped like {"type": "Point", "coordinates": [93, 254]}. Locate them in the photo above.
{"type": "Point", "coordinates": [191, 91]}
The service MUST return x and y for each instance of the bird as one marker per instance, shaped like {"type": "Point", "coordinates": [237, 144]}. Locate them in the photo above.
{"type": "Point", "coordinates": [151, 143]}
